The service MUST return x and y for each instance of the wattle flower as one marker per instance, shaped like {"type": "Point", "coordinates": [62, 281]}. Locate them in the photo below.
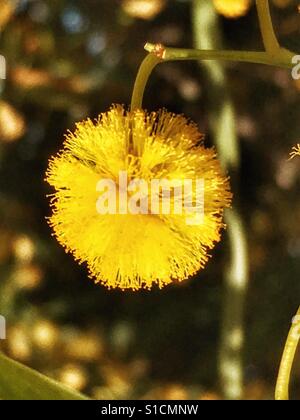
{"type": "Point", "coordinates": [133, 251]}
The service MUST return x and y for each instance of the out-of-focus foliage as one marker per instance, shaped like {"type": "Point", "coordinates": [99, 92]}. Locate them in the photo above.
{"type": "Point", "coordinates": [67, 60]}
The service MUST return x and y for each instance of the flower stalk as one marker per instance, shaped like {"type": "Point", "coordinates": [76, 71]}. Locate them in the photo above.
{"type": "Point", "coordinates": [158, 53]}
{"type": "Point", "coordinates": [274, 54]}
{"type": "Point", "coordinates": [282, 59]}
{"type": "Point", "coordinates": [283, 380]}
{"type": "Point", "coordinates": [266, 26]}
{"type": "Point", "coordinates": [143, 75]}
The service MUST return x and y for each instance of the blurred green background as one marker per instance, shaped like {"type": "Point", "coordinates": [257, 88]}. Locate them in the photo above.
{"type": "Point", "coordinates": [69, 59]}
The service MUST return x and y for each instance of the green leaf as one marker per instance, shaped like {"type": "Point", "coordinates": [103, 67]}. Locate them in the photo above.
{"type": "Point", "coordinates": [18, 382]}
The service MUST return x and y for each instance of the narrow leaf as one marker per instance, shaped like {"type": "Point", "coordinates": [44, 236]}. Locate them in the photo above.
{"type": "Point", "coordinates": [18, 382]}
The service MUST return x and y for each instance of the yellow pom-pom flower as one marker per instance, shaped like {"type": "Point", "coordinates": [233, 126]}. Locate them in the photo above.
{"type": "Point", "coordinates": [136, 249]}
{"type": "Point", "coordinates": [232, 8]}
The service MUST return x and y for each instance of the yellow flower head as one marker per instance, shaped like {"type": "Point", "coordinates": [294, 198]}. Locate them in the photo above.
{"type": "Point", "coordinates": [232, 8]}
{"type": "Point", "coordinates": [136, 249]}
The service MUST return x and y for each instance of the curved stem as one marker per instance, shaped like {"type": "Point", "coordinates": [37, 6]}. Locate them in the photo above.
{"type": "Point", "coordinates": [266, 26]}
{"type": "Point", "coordinates": [159, 53]}
{"type": "Point", "coordinates": [283, 380]}
{"type": "Point", "coordinates": [142, 77]}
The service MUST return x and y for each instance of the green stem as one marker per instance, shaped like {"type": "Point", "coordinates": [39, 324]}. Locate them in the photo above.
{"type": "Point", "coordinates": [282, 59]}
{"type": "Point", "coordinates": [283, 380]}
{"type": "Point", "coordinates": [257, 57]}
{"type": "Point", "coordinates": [266, 26]}
{"type": "Point", "coordinates": [143, 75]}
